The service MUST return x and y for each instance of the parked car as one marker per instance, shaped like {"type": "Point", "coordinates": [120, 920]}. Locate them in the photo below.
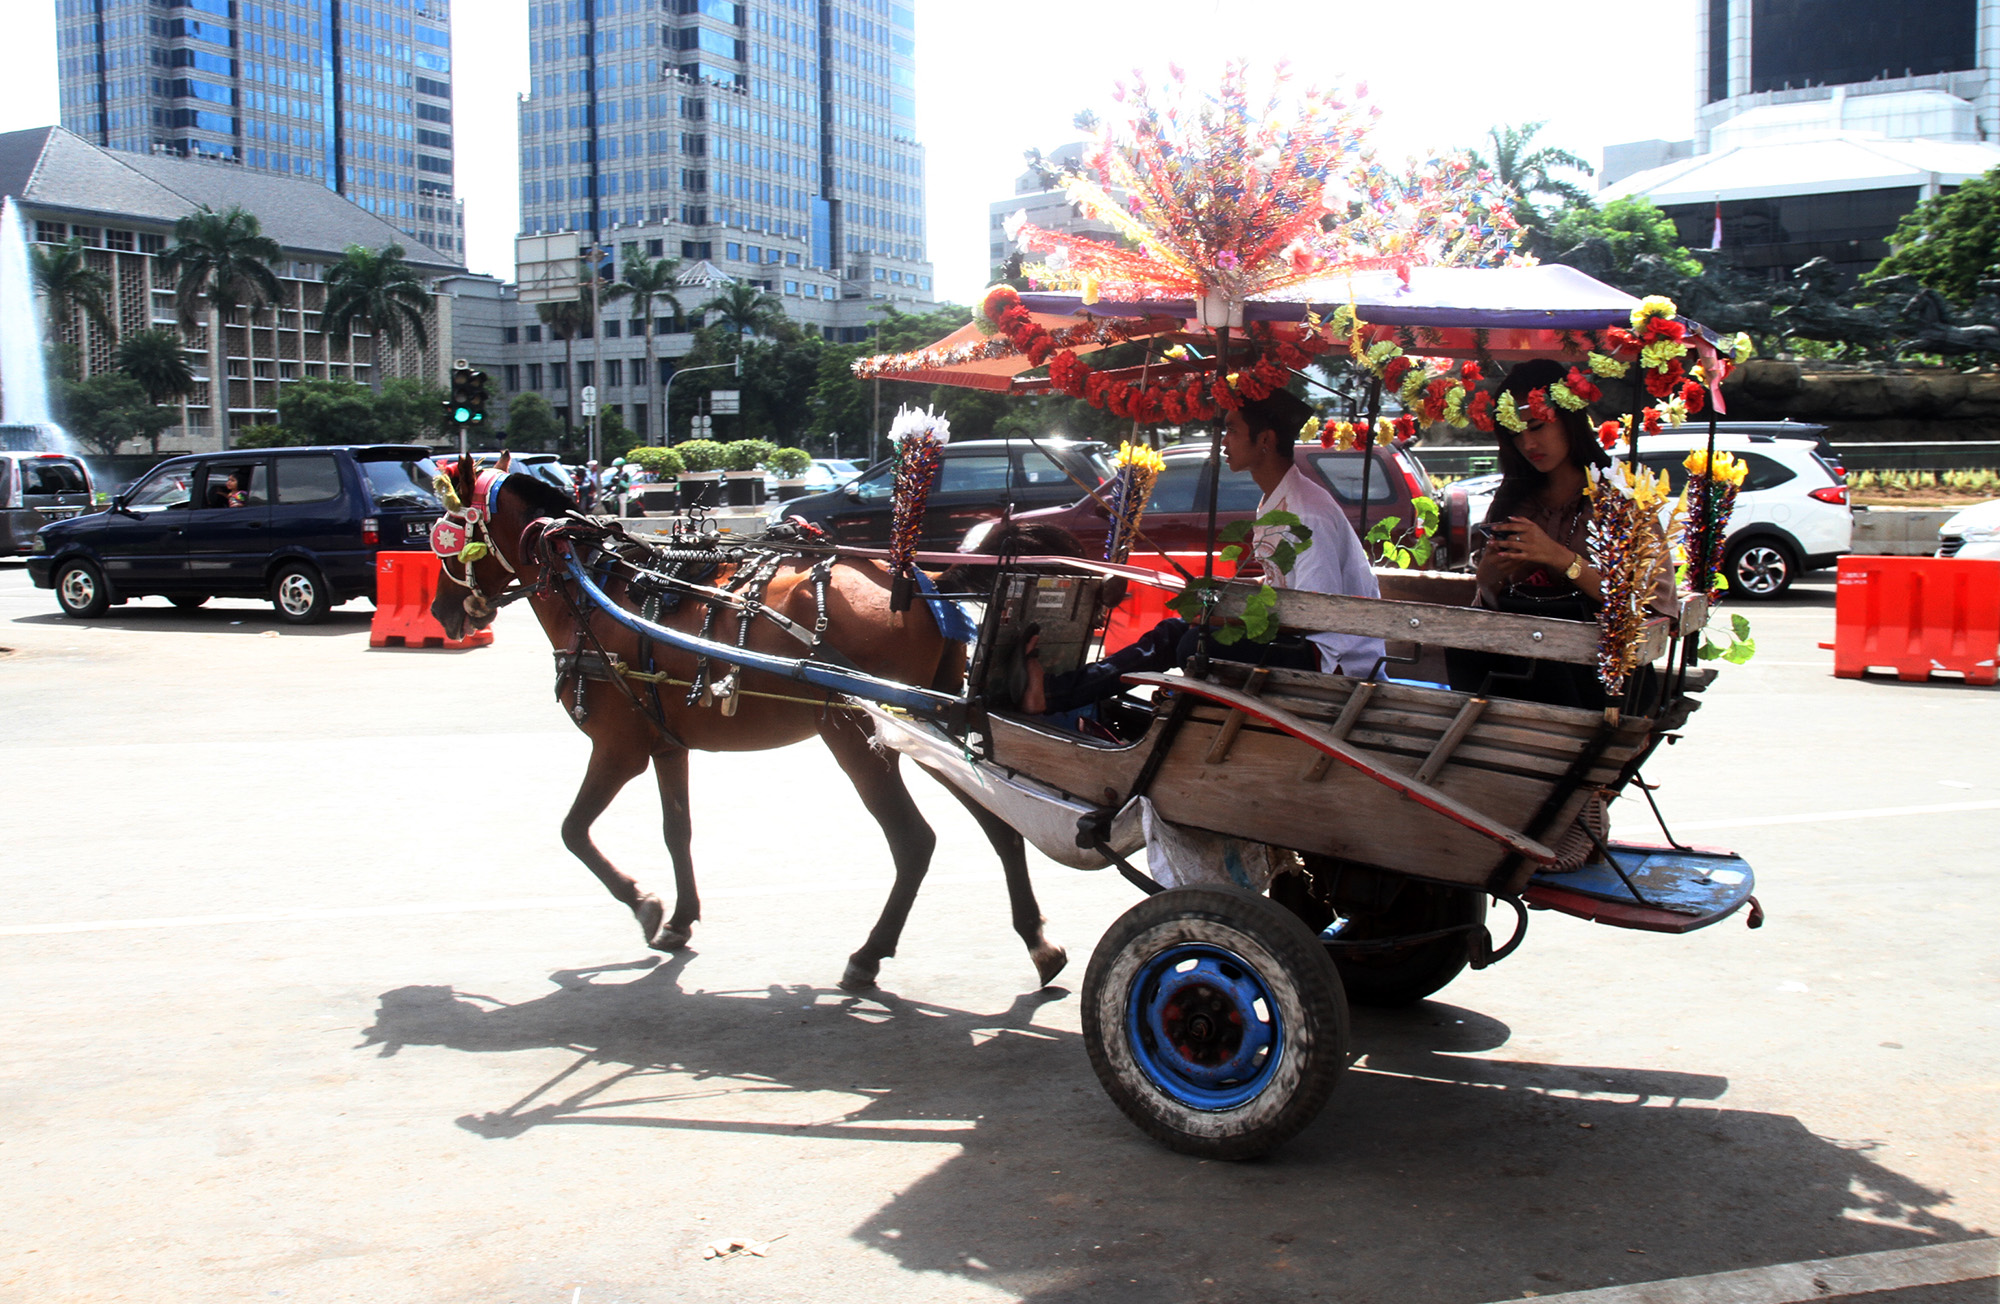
{"type": "Point", "coordinates": [1973, 533]}
{"type": "Point", "coordinates": [977, 481]}
{"type": "Point", "coordinates": [1176, 518]}
{"type": "Point", "coordinates": [543, 466]}
{"type": "Point", "coordinates": [1792, 514]}
{"type": "Point", "coordinates": [300, 526]}
{"type": "Point", "coordinates": [36, 488]}
{"type": "Point", "coordinates": [823, 476]}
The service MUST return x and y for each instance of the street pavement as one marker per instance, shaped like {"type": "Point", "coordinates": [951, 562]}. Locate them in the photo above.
{"type": "Point", "coordinates": [306, 1001]}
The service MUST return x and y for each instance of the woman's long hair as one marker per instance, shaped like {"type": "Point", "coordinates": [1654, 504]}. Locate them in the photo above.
{"type": "Point", "coordinates": [1520, 482]}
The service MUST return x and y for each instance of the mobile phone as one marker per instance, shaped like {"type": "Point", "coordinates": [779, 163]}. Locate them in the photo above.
{"type": "Point", "coordinates": [1483, 534]}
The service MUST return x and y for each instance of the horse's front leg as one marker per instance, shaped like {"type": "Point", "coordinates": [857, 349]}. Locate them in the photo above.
{"type": "Point", "coordinates": [1013, 852]}
{"type": "Point", "coordinates": [614, 762]}
{"type": "Point", "coordinates": [670, 768]}
{"type": "Point", "coordinates": [879, 781]}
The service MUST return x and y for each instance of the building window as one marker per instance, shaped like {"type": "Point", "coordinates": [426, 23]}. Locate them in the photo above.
{"type": "Point", "coordinates": [513, 376]}
{"type": "Point", "coordinates": [881, 275]}
{"type": "Point", "coordinates": [558, 375]}
{"type": "Point", "coordinates": [150, 243]}
{"type": "Point", "coordinates": [655, 248]}
{"type": "Point", "coordinates": [586, 373]}
{"type": "Point", "coordinates": [612, 328]}
{"type": "Point", "coordinates": [119, 240]}
{"type": "Point", "coordinates": [791, 260]}
{"type": "Point", "coordinates": [733, 250]}
{"type": "Point", "coordinates": [51, 232]}
{"type": "Point", "coordinates": [534, 335]}
{"type": "Point", "coordinates": [695, 248]}
{"type": "Point", "coordinates": [791, 287]}
{"type": "Point", "coordinates": [534, 375]}
{"type": "Point", "coordinates": [756, 253]}
{"type": "Point", "coordinates": [614, 373]}
{"type": "Point", "coordinates": [512, 334]}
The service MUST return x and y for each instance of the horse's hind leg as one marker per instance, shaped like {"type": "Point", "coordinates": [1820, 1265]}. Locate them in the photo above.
{"type": "Point", "coordinates": [613, 764]}
{"type": "Point", "coordinates": [670, 768]}
{"type": "Point", "coordinates": [878, 780]}
{"type": "Point", "coordinates": [1008, 845]}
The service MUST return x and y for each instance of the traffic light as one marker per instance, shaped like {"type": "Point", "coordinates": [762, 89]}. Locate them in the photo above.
{"type": "Point", "coordinates": [476, 390]}
{"type": "Point", "coordinates": [462, 405]}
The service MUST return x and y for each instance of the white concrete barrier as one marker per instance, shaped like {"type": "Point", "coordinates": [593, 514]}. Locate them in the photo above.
{"type": "Point", "coordinates": [1897, 531]}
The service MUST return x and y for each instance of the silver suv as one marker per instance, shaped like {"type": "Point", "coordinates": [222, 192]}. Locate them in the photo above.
{"type": "Point", "coordinates": [36, 488]}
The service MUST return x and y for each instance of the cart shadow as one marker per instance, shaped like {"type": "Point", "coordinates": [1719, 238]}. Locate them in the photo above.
{"type": "Point", "coordinates": [164, 619]}
{"type": "Point", "coordinates": [1436, 1173]}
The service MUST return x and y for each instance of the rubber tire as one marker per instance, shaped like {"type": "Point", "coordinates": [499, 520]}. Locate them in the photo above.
{"type": "Point", "coordinates": [303, 581]}
{"type": "Point", "coordinates": [92, 596]}
{"type": "Point", "coordinates": [1289, 962]}
{"type": "Point", "coordinates": [1769, 554]}
{"type": "Point", "coordinates": [1407, 976]}
{"type": "Point", "coordinates": [189, 601]}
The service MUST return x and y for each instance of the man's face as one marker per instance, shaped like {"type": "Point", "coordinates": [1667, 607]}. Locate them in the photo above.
{"type": "Point", "coordinates": [1240, 448]}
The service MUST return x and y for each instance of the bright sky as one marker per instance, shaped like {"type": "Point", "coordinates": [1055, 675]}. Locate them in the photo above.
{"type": "Point", "coordinates": [996, 79]}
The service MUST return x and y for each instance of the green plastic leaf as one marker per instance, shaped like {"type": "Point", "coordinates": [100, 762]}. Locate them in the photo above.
{"type": "Point", "coordinates": [1231, 553]}
{"type": "Point", "coordinates": [1710, 650]}
{"type": "Point", "coordinates": [1234, 532]}
{"type": "Point", "coordinates": [1738, 653]}
{"type": "Point", "coordinates": [1260, 614]}
{"type": "Point", "coordinates": [1741, 624]}
{"type": "Point", "coordinates": [1228, 635]}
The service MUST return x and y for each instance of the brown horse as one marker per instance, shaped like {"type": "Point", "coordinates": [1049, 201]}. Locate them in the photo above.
{"type": "Point", "coordinates": [633, 723]}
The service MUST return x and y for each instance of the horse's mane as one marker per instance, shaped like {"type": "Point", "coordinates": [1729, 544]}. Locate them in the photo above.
{"type": "Point", "coordinates": [542, 498]}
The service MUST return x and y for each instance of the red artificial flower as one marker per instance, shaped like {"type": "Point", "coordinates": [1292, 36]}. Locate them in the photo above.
{"type": "Point", "coordinates": [1660, 384]}
{"type": "Point", "coordinates": [1172, 408]}
{"type": "Point", "coordinates": [1622, 339]}
{"type": "Point", "coordinates": [1469, 372]}
{"type": "Point", "coordinates": [1664, 328]}
{"type": "Point", "coordinates": [1326, 434]}
{"type": "Point", "coordinates": [1607, 434]}
{"type": "Point", "coordinates": [1582, 385]}
{"type": "Point", "coordinates": [1292, 356]}
{"type": "Point", "coordinates": [1694, 396]}
{"type": "Point", "coordinates": [1538, 406]}
{"type": "Point", "coordinates": [1480, 410]}
{"type": "Point", "coordinates": [996, 301]}
{"type": "Point", "coordinates": [1067, 371]}
{"type": "Point", "coordinates": [1198, 406]}
{"type": "Point", "coordinates": [1405, 427]}
{"type": "Point", "coordinates": [1399, 366]}
{"type": "Point", "coordinates": [1039, 351]}
{"type": "Point", "coordinates": [1269, 372]}
{"type": "Point", "coordinates": [1252, 386]}
{"type": "Point", "coordinates": [1226, 399]}
{"type": "Point", "coordinates": [1649, 421]}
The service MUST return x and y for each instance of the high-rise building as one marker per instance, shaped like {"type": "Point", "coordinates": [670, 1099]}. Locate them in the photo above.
{"type": "Point", "coordinates": [774, 140]}
{"type": "Point", "coordinates": [1820, 124]}
{"type": "Point", "coordinates": [1039, 200]}
{"type": "Point", "coordinates": [354, 95]}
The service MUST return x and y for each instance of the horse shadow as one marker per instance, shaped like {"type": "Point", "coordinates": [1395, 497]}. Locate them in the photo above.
{"type": "Point", "coordinates": [1435, 1173]}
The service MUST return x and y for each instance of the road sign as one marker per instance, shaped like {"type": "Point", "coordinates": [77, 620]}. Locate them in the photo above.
{"type": "Point", "coordinates": [701, 427]}
{"type": "Point", "coordinates": [725, 402]}
{"type": "Point", "coordinates": [590, 400]}
{"type": "Point", "coordinates": [546, 268]}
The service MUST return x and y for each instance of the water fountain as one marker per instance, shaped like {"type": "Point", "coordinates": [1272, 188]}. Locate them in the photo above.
{"type": "Point", "coordinates": [26, 423]}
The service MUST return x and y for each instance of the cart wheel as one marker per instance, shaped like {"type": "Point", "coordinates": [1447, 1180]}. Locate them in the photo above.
{"type": "Point", "coordinates": [1409, 973]}
{"type": "Point", "coordinates": [1215, 1021]}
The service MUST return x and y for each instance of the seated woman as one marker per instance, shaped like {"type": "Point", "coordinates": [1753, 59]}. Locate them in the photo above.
{"type": "Point", "coordinates": [1537, 558]}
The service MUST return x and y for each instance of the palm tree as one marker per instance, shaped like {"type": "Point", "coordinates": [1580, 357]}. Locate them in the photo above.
{"type": "Point", "coordinates": [745, 309]}
{"type": "Point", "coordinates": [649, 281]}
{"type": "Point", "coordinates": [566, 319]}
{"type": "Point", "coordinates": [157, 360]}
{"type": "Point", "coordinates": [1529, 171]}
{"type": "Point", "coordinates": [221, 261]}
{"type": "Point", "coordinates": [67, 280]}
{"type": "Point", "coordinates": [376, 288]}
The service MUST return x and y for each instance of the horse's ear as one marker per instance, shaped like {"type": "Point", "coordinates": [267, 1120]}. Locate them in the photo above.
{"type": "Point", "coordinates": [506, 461]}
{"type": "Point", "coordinates": [465, 477]}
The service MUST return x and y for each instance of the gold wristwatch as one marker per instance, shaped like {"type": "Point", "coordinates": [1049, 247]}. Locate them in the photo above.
{"type": "Point", "coordinates": [1575, 568]}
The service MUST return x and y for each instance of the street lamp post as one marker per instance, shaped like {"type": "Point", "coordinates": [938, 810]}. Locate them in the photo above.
{"type": "Point", "coordinates": [667, 396]}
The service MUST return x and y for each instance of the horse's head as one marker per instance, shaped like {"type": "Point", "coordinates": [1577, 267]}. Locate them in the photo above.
{"type": "Point", "coordinates": [472, 572]}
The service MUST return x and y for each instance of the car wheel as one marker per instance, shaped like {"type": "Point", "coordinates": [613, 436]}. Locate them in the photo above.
{"type": "Point", "coordinates": [188, 601]}
{"type": "Point", "coordinates": [300, 594]}
{"type": "Point", "coordinates": [81, 590]}
{"type": "Point", "coordinates": [1760, 568]}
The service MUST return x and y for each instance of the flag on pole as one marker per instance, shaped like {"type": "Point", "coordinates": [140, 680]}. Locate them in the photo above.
{"type": "Point", "coordinates": [1715, 241]}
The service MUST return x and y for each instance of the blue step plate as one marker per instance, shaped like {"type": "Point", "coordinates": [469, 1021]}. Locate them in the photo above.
{"type": "Point", "coordinates": [1682, 890]}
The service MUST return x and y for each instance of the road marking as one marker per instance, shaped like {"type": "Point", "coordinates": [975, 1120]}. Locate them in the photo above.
{"type": "Point", "coordinates": [1814, 1279]}
{"type": "Point", "coordinates": [410, 908]}
{"type": "Point", "coordinates": [1817, 817]}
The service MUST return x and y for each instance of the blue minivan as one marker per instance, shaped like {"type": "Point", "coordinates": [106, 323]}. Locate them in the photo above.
{"type": "Point", "coordinates": [300, 526]}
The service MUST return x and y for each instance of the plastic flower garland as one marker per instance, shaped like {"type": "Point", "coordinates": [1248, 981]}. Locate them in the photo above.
{"type": "Point", "coordinates": [1627, 548]}
{"type": "Point", "coordinates": [1230, 200]}
{"type": "Point", "coordinates": [1134, 472]}
{"type": "Point", "coordinates": [1708, 497]}
{"type": "Point", "coordinates": [919, 435]}
{"type": "Point", "coordinates": [1094, 331]}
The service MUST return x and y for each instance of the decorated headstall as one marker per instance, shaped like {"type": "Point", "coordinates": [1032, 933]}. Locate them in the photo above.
{"type": "Point", "coordinates": [464, 534]}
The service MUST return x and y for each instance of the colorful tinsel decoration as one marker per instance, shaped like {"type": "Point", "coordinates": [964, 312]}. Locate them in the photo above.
{"type": "Point", "coordinates": [1134, 471]}
{"type": "Point", "coordinates": [1226, 198]}
{"type": "Point", "coordinates": [1708, 497]}
{"type": "Point", "coordinates": [1627, 549]}
{"type": "Point", "coordinates": [919, 435]}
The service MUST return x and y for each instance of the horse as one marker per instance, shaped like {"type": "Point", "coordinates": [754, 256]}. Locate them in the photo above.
{"type": "Point", "coordinates": [521, 520]}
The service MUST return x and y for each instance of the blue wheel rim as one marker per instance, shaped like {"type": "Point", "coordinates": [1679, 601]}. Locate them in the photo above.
{"type": "Point", "coordinates": [1204, 1026]}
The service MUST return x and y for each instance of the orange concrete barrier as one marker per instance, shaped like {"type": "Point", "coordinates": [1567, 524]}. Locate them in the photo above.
{"type": "Point", "coordinates": [405, 584]}
{"type": "Point", "coordinates": [1917, 616]}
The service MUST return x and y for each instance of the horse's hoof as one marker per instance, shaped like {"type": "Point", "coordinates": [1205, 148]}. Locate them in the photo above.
{"type": "Point", "coordinates": [651, 914]}
{"type": "Point", "coordinates": [670, 938]}
{"type": "Point", "coordinates": [859, 977]}
{"type": "Point", "coordinates": [1050, 960]}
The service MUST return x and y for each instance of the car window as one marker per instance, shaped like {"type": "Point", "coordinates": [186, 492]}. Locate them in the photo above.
{"type": "Point", "coordinates": [253, 482]}
{"type": "Point", "coordinates": [1037, 469]}
{"type": "Point", "coordinates": [977, 473]}
{"type": "Point", "coordinates": [1237, 493]}
{"type": "Point", "coordinates": [51, 475]}
{"type": "Point", "coordinates": [1765, 472]}
{"type": "Point", "coordinates": [1175, 490]}
{"type": "Point", "coordinates": [308, 480]}
{"type": "Point", "coordinates": [402, 485]}
{"type": "Point", "coordinates": [1672, 464]}
{"type": "Point", "coordinates": [1342, 473]}
{"type": "Point", "coordinates": [166, 489]}
{"type": "Point", "coordinates": [878, 484]}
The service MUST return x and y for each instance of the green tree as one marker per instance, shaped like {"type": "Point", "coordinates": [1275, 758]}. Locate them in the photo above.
{"type": "Point", "coordinates": [1628, 243]}
{"type": "Point", "coordinates": [614, 437]}
{"type": "Point", "coordinates": [158, 361]}
{"type": "Point", "coordinates": [411, 411]}
{"type": "Point", "coordinates": [1949, 244]}
{"type": "Point", "coordinates": [220, 261]}
{"type": "Point", "coordinates": [108, 410]}
{"type": "Point", "coordinates": [329, 412]}
{"type": "Point", "coordinates": [378, 289]}
{"type": "Point", "coordinates": [743, 309]}
{"type": "Point", "coordinates": [566, 319]}
{"type": "Point", "coordinates": [651, 283]}
{"type": "Point", "coordinates": [68, 282]}
{"type": "Point", "coordinates": [531, 424]}
{"type": "Point", "coordinates": [1530, 170]}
